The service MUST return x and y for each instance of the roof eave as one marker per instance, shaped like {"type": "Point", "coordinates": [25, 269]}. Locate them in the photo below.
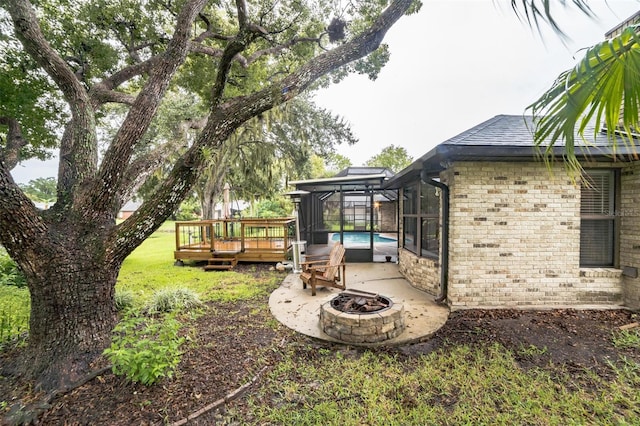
{"type": "Point", "coordinates": [441, 157]}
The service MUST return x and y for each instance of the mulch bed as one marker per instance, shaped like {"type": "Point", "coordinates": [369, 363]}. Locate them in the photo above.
{"type": "Point", "coordinates": [233, 343]}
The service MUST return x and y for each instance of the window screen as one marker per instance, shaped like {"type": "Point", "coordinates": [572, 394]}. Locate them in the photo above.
{"type": "Point", "coordinates": [597, 219]}
{"type": "Point", "coordinates": [421, 215]}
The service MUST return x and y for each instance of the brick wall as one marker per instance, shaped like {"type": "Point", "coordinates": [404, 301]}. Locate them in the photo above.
{"type": "Point", "coordinates": [423, 273]}
{"type": "Point", "coordinates": [630, 234]}
{"type": "Point", "coordinates": [388, 217]}
{"type": "Point", "coordinates": [514, 241]}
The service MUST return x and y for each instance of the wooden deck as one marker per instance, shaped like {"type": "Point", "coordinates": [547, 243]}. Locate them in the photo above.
{"type": "Point", "coordinates": [226, 242]}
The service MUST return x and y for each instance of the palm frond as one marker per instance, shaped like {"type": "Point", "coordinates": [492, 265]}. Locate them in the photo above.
{"type": "Point", "coordinates": [603, 89]}
{"type": "Point", "coordinates": [535, 12]}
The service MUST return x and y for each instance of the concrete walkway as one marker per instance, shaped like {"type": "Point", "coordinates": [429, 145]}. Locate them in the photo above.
{"type": "Point", "coordinates": [294, 306]}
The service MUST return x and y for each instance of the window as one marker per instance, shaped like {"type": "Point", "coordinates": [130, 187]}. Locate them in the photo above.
{"type": "Point", "coordinates": [331, 213]}
{"type": "Point", "coordinates": [409, 200]}
{"type": "Point", "coordinates": [430, 215]}
{"type": "Point", "coordinates": [410, 219]}
{"type": "Point", "coordinates": [421, 219]}
{"type": "Point", "coordinates": [410, 239]}
{"type": "Point", "coordinates": [598, 219]}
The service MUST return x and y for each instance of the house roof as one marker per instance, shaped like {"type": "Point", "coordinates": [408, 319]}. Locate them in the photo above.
{"type": "Point", "coordinates": [131, 206]}
{"type": "Point", "coordinates": [633, 19]}
{"type": "Point", "coordinates": [357, 178]}
{"type": "Point", "coordinates": [507, 138]}
{"type": "Point", "coordinates": [349, 179]}
{"type": "Point", "coordinates": [354, 171]}
{"type": "Point", "coordinates": [333, 183]}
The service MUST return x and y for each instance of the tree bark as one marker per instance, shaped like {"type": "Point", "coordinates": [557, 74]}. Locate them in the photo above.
{"type": "Point", "coordinates": [72, 305]}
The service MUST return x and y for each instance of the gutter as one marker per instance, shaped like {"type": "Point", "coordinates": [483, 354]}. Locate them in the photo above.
{"type": "Point", "coordinates": [444, 264]}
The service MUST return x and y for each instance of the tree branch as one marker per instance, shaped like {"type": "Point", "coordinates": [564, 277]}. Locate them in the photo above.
{"type": "Point", "coordinates": [225, 118]}
{"type": "Point", "coordinates": [241, 109]}
{"type": "Point", "coordinates": [245, 62]}
{"type": "Point", "coordinates": [140, 169]}
{"type": "Point", "coordinates": [222, 401]}
{"type": "Point", "coordinates": [236, 45]}
{"type": "Point", "coordinates": [100, 97]}
{"type": "Point", "coordinates": [10, 154]}
{"type": "Point", "coordinates": [103, 91]}
{"type": "Point", "coordinates": [143, 109]}
{"type": "Point", "coordinates": [79, 141]}
{"type": "Point", "coordinates": [275, 49]}
{"type": "Point", "coordinates": [21, 227]}
{"type": "Point", "coordinates": [206, 50]}
{"type": "Point", "coordinates": [209, 32]}
{"type": "Point", "coordinates": [29, 33]}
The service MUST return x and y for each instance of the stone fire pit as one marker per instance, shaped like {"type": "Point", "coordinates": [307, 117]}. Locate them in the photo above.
{"type": "Point", "coordinates": [356, 316]}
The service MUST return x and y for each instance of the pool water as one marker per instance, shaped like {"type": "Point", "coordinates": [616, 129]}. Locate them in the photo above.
{"type": "Point", "coordinates": [362, 238]}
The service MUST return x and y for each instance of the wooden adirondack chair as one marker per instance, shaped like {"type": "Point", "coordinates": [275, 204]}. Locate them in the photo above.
{"type": "Point", "coordinates": [326, 272]}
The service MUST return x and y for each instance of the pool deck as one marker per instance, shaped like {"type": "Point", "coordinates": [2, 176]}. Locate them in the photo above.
{"type": "Point", "coordinates": [381, 250]}
{"type": "Point", "coordinates": [294, 306]}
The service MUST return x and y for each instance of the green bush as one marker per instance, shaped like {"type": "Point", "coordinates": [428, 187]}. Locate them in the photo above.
{"type": "Point", "coordinates": [12, 325]}
{"type": "Point", "coordinates": [188, 210]}
{"type": "Point", "coordinates": [15, 308]}
{"type": "Point", "coordinates": [279, 207]}
{"type": "Point", "coordinates": [124, 300]}
{"type": "Point", "coordinates": [145, 350]}
{"type": "Point", "coordinates": [10, 273]}
{"type": "Point", "coordinates": [173, 299]}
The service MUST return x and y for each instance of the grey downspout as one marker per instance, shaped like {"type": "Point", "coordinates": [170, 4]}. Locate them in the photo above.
{"type": "Point", "coordinates": [444, 265]}
{"type": "Point", "coordinates": [398, 235]}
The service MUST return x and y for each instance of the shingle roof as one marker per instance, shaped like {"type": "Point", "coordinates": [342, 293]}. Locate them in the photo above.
{"type": "Point", "coordinates": [516, 131]}
{"type": "Point", "coordinates": [499, 130]}
{"type": "Point", "coordinates": [508, 138]}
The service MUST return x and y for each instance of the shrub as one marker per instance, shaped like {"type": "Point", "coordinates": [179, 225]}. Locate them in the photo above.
{"type": "Point", "coordinates": [124, 300]}
{"type": "Point", "coordinates": [145, 350]}
{"type": "Point", "coordinates": [15, 309]}
{"type": "Point", "coordinates": [10, 273]}
{"type": "Point", "coordinates": [188, 210]}
{"type": "Point", "coordinates": [279, 207]}
{"type": "Point", "coordinates": [12, 325]}
{"type": "Point", "coordinates": [173, 299]}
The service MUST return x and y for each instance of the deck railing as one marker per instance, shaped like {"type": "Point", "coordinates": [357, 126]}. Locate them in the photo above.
{"type": "Point", "coordinates": [250, 239]}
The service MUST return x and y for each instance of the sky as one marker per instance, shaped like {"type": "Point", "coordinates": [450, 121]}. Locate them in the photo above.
{"type": "Point", "coordinates": [453, 65]}
{"type": "Point", "coordinates": [456, 64]}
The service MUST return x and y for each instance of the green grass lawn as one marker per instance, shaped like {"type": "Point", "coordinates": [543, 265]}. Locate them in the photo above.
{"type": "Point", "coordinates": [453, 386]}
{"type": "Point", "coordinates": [150, 268]}
{"type": "Point", "coordinates": [341, 386]}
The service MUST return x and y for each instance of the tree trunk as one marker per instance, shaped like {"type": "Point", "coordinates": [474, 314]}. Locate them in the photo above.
{"type": "Point", "coordinates": [210, 192]}
{"type": "Point", "coordinates": [208, 206]}
{"type": "Point", "coordinates": [72, 310]}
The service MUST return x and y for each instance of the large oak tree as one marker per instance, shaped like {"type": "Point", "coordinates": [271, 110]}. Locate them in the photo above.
{"type": "Point", "coordinates": [131, 52]}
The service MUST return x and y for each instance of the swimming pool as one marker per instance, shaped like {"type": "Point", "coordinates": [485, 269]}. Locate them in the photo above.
{"type": "Point", "coordinates": [362, 238]}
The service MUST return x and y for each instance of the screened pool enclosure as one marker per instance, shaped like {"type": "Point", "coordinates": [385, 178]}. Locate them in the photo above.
{"type": "Point", "coordinates": [351, 208]}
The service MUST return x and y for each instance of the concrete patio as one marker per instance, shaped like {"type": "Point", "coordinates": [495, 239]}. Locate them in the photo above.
{"type": "Point", "coordinates": [294, 306]}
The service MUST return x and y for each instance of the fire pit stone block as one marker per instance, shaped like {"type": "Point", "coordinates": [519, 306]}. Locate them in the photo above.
{"type": "Point", "coordinates": [362, 328]}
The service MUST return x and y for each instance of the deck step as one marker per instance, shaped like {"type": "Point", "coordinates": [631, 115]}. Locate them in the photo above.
{"type": "Point", "coordinates": [221, 263]}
